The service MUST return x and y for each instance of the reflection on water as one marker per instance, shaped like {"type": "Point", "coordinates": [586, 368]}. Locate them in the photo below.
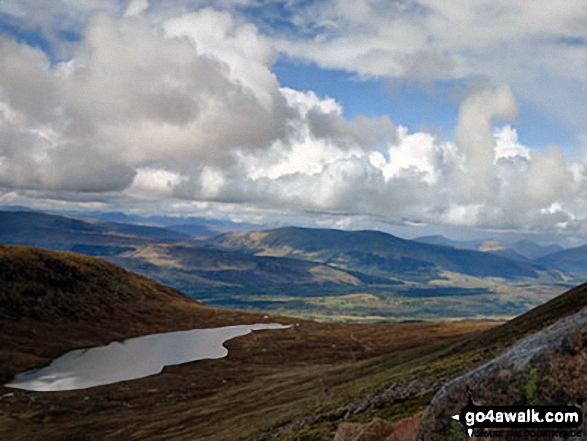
{"type": "Point", "coordinates": [133, 358]}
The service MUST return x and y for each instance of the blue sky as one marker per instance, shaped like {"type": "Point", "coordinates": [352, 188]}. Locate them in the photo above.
{"type": "Point", "coordinates": [32, 37]}
{"type": "Point", "coordinates": [406, 104]}
{"type": "Point", "coordinates": [433, 107]}
{"type": "Point", "coordinates": [468, 116]}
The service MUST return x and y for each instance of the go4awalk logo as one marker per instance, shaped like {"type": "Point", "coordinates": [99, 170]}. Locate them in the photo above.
{"type": "Point", "coordinates": [515, 417]}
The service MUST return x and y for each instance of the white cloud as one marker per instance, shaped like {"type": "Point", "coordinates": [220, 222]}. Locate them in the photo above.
{"type": "Point", "coordinates": [136, 7]}
{"type": "Point", "coordinates": [188, 109]}
{"type": "Point", "coordinates": [135, 97]}
{"type": "Point", "coordinates": [246, 53]}
{"type": "Point", "coordinates": [152, 182]}
{"type": "Point", "coordinates": [538, 48]}
{"type": "Point", "coordinates": [419, 152]}
{"type": "Point", "coordinates": [507, 145]}
{"type": "Point", "coordinates": [475, 140]}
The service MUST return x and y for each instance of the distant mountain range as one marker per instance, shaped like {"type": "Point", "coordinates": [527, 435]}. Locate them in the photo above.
{"type": "Point", "coordinates": [157, 250]}
{"type": "Point", "coordinates": [321, 273]}
{"type": "Point", "coordinates": [571, 260]}
{"type": "Point", "coordinates": [373, 252]}
{"type": "Point", "coordinates": [66, 233]}
{"type": "Point", "coordinates": [189, 225]}
{"type": "Point", "coordinates": [523, 250]}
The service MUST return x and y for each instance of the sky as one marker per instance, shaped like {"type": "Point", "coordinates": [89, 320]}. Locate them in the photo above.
{"type": "Point", "coordinates": [456, 114]}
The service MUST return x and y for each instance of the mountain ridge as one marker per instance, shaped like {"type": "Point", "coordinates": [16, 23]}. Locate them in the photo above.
{"type": "Point", "coordinates": [570, 260]}
{"type": "Point", "coordinates": [381, 252]}
{"type": "Point", "coordinates": [324, 274]}
{"type": "Point", "coordinates": [522, 249]}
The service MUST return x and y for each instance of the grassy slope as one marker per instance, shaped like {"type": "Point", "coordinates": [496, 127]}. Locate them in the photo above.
{"type": "Point", "coordinates": [406, 382]}
{"type": "Point", "coordinates": [84, 301]}
{"type": "Point", "coordinates": [52, 302]}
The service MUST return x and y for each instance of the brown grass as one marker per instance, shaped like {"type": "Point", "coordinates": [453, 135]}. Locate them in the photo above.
{"type": "Point", "coordinates": [269, 378]}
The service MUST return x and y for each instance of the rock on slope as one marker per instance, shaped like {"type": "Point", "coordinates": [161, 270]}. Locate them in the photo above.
{"type": "Point", "coordinates": [547, 367]}
{"type": "Point", "coordinates": [543, 361]}
{"type": "Point", "coordinates": [380, 430]}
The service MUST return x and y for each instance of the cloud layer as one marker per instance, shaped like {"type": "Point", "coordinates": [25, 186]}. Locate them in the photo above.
{"type": "Point", "coordinates": [186, 107]}
{"type": "Point", "coordinates": [538, 48]}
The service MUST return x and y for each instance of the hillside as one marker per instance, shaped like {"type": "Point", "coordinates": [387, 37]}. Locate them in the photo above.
{"type": "Point", "coordinates": [536, 358]}
{"type": "Point", "coordinates": [236, 271]}
{"type": "Point", "coordinates": [69, 234]}
{"type": "Point", "coordinates": [545, 368]}
{"type": "Point", "coordinates": [52, 302]}
{"type": "Point", "coordinates": [374, 252]}
{"type": "Point", "coordinates": [436, 281]}
{"type": "Point", "coordinates": [317, 274]}
{"type": "Point", "coordinates": [300, 383]}
{"type": "Point", "coordinates": [84, 301]}
{"type": "Point", "coordinates": [571, 260]}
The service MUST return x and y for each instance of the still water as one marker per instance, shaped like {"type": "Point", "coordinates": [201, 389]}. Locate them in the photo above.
{"type": "Point", "coordinates": [133, 358]}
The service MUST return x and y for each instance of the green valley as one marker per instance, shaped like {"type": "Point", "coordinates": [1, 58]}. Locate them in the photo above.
{"type": "Point", "coordinates": [310, 273]}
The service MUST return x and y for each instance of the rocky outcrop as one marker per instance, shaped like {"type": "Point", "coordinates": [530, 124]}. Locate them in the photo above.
{"type": "Point", "coordinates": [548, 367]}
{"type": "Point", "coordinates": [380, 430]}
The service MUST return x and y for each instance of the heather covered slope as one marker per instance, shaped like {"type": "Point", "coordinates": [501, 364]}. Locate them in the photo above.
{"type": "Point", "coordinates": [536, 358]}
{"type": "Point", "coordinates": [52, 302]}
{"type": "Point", "coordinates": [546, 368]}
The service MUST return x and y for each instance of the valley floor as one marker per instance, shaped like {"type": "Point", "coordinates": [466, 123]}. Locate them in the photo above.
{"type": "Point", "coordinates": [297, 383]}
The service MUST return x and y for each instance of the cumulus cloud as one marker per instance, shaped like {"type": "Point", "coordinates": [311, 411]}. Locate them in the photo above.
{"type": "Point", "coordinates": [136, 7]}
{"type": "Point", "coordinates": [186, 108]}
{"type": "Point", "coordinates": [139, 97]}
{"type": "Point", "coordinates": [537, 47]}
{"type": "Point", "coordinates": [192, 97]}
{"type": "Point", "coordinates": [418, 177]}
{"type": "Point", "coordinates": [475, 140]}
